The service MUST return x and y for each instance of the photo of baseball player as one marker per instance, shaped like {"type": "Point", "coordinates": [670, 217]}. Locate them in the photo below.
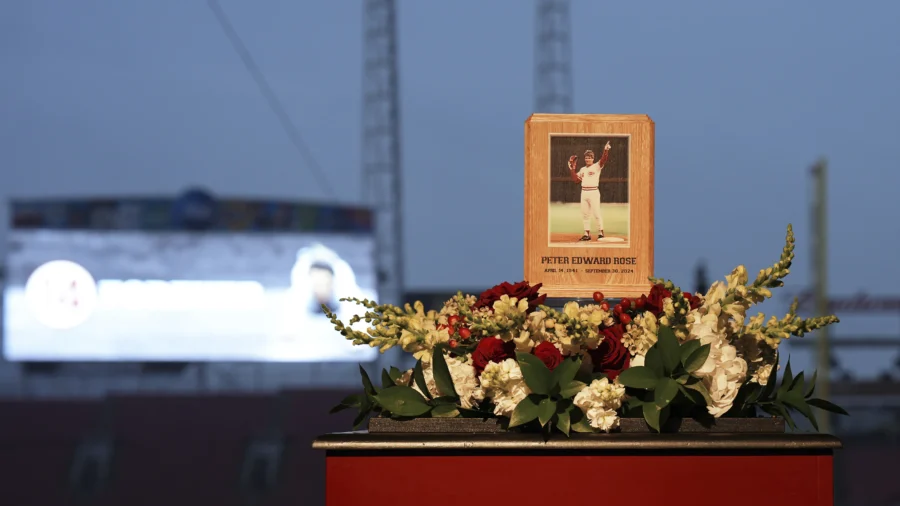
{"type": "Point", "coordinates": [589, 193]}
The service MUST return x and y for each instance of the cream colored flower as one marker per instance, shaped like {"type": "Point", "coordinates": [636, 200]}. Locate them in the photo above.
{"type": "Point", "coordinates": [737, 278]}
{"type": "Point", "coordinates": [762, 375]}
{"type": "Point", "coordinates": [641, 334]}
{"type": "Point", "coordinates": [510, 306]}
{"type": "Point", "coordinates": [405, 378]}
{"type": "Point", "coordinates": [502, 382]}
{"type": "Point", "coordinates": [523, 341]}
{"type": "Point", "coordinates": [599, 402]}
{"type": "Point", "coordinates": [669, 307]}
{"type": "Point", "coordinates": [715, 294]}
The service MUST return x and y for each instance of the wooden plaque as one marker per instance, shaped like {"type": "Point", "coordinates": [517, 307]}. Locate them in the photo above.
{"type": "Point", "coordinates": [561, 204]}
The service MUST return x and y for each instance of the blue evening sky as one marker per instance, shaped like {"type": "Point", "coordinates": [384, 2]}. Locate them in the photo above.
{"type": "Point", "coordinates": [139, 97]}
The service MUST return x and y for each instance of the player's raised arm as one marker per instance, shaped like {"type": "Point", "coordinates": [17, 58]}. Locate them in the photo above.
{"type": "Point", "coordinates": [572, 160]}
{"type": "Point", "coordinates": [605, 156]}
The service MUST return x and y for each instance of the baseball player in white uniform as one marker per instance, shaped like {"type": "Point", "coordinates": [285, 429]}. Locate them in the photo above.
{"type": "Point", "coordinates": [589, 177]}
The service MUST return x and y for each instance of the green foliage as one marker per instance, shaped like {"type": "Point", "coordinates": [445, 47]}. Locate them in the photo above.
{"type": "Point", "coordinates": [794, 395]}
{"type": "Point", "coordinates": [442, 378]}
{"type": "Point", "coordinates": [398, 401]}
{"type": "Point", "coordinates": [664, 385]}
{"type": "Point", "coordinates": [550, 405]}
{"type": "Point", "coordinates": [403, 401]}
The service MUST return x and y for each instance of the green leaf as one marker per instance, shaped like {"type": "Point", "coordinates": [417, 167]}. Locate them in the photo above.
{"type": "Point", "coordinates": [526, 411]}
{"type": "Point", "coordinates": [538, 378]}
{"type": "Point", "coordinates": [639, 377]}
{"type": "Point", "coordinates": [795, 400]}
{"type": "Point", "coordinates": [797, 384]}
{"type": "Point", "coordinates": [755, 391]}
{"type": "Point", "coordinates": [442, 378]}
{"type": "Point", "coordinates": [546, 410]}
{"type": "Point", "coordinates": [812, 385]}
{"type": "Point", "coordinates": [669, 349]}
{"type": "Point", "coordinates": [579, 422]}
{"type": "Point", "coordinates": [653, 361]}
{"type": "Point", "coordinates": [686, 349]}
{"type": "Point", "coordinates": [386, 380]}
{"type": "Point", "coordinates": [338, 409]}
{"type": "Point", "coordinates": [403, 401]}
{"type": "Point", "coordinates": [666, 390]}
{"type": "Point", "coordinates": [786, 381]}
{"type": "Point", "coordinates": [445, 411]}
{"type": "Point", "coordinates": [563, 420]}
{"type": "Point", "coordinates": [827, 406]}
{"type": "Point", "coordinates": [681, 380]}
{"type": "Point", "coordinates": [351, 401]}
{"type": "Point", "coordinates": [697, 358]}
{"type": "Point", "coordinates": [419, 377]}
{"type": "Point", "coordinates": [360, 418]}
{"type": "Point", "coordinates": [598, 376]}
{"type": "Point", "coordinates": [692, 396]}
{"type": "Point", "coordinates": [565, 371]}
{"type": "Point", "coordinates": [395, 373]}
{"type": "Point", "coordinates": [571, 389]}
{"type": "Point", "coordinates": [701, 389]}
{"type": "Point", "coordinates": [651, 414]}
{"type": "Point", "coordinates": [632, 403]}
{"type": "Point", "coordinates": [784, 413]}
{"type": "Point", "coordinates": [367, 383]}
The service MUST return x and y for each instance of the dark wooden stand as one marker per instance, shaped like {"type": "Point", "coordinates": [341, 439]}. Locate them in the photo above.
{"type": "Point", "coordinates": [709, 469]}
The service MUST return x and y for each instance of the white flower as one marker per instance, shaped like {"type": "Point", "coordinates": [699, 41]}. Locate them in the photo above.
{"type": "Point", "coordinates": [637, 361]}
{"type": "Point", "coordinates": [504, 384]}
{"type": "Point", "coordinates": [599, 402]}
{"type": "Point", "coordinates": [723, 373]}
{"type": "Point", "coordinates": [465, 382]}
{"type": "Point", "coordinates": [722, 393]}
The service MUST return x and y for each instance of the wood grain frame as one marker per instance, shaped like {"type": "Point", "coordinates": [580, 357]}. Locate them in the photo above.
{"type": "Point", "coordinates": [577, 269]}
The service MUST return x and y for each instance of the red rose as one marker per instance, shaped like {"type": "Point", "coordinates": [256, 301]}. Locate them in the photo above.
{"type": "Point", "coordinates": [694, 300]}
{"type": "Point", "coordinates": [654, 302]}
{"type": "Point", "coordinates": [549, 355]}
{"type": "Point", "coordinates": [641, 303]}
{"type": "Point", "coordinates": [491, 349]}
{"type": "Point", "coordinates": [521, 290]}
{"type": "Point", "coordinates": [611, 357]}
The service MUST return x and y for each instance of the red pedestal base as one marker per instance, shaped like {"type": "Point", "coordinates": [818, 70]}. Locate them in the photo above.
{"type": "Point", "coordinates": [618, 469]}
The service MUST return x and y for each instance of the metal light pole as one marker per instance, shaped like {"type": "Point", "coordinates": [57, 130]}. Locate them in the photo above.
{"type": "Point", "coordinates": [820, 283]}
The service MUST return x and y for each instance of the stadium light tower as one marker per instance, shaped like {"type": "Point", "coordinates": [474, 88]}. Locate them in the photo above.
{"type": "Point", "coordinates": [381, 154]}
{"type": "Point", "coordinates": [553, 57]}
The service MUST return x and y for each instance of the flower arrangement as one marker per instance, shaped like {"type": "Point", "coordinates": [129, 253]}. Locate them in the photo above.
{"type": "Point", "coordinates": [668, 354]}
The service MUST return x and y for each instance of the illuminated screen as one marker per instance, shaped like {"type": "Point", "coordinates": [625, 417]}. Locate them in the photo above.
{"type": "Point", "coordinates": [85, 295]}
